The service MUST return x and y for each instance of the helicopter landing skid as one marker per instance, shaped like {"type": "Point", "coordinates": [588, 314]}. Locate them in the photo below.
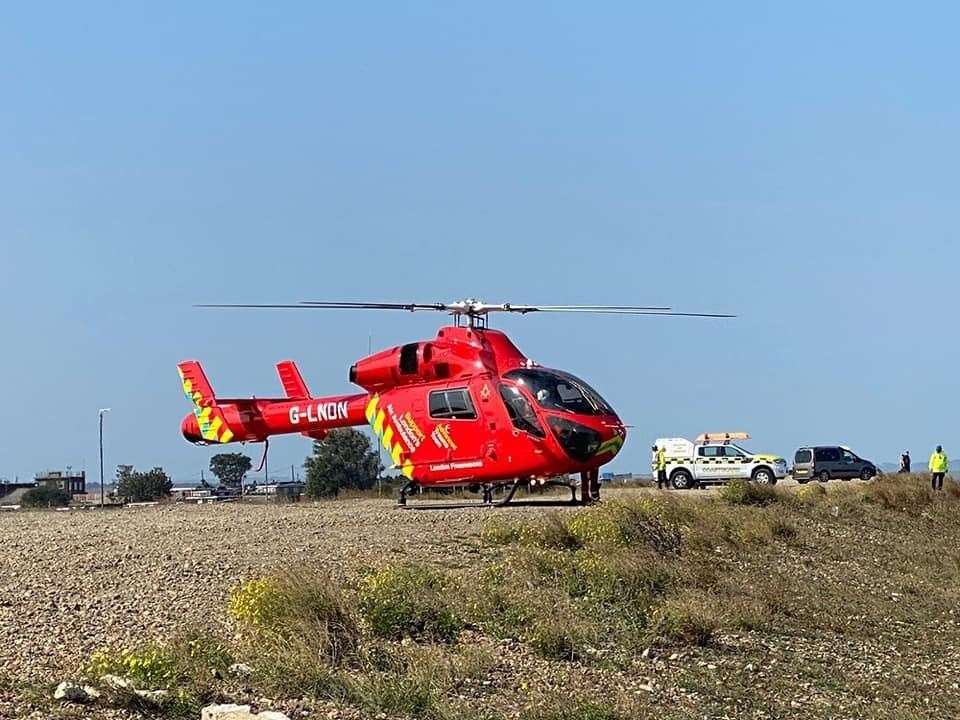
{"type": "Point", "coordinates": [508, 501]}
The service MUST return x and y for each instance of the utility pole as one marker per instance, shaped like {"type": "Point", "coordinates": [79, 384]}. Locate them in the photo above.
{"type": "Point", "coordinates": [101, 413]}
{"type": "Point", "coordinates": [376, 440]}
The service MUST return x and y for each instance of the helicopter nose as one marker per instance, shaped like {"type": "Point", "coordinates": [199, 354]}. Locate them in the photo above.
{"type": "Point", "coordinates": [614, 435]}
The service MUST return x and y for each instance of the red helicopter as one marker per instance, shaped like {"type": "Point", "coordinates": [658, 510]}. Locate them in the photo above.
{"type": "Point", "coordinates": [464, 409]}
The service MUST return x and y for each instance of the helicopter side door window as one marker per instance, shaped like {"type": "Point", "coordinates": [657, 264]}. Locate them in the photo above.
{"type": "Point", "coordinates": [452, 405]}
{"type": "Point", "coordinates": [521, 411]}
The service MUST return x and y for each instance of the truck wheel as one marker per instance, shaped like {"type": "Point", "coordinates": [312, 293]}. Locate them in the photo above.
{"type": "Point", "coordinates": [681, 480]}
{"type": "Point", "coordinates": [824, 476]}
{"type": "Point", "coordinates": [763, 476]}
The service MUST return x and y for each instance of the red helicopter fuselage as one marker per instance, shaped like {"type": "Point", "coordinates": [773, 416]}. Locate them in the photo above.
{"type": "Point", "coordinates": [464, 408]}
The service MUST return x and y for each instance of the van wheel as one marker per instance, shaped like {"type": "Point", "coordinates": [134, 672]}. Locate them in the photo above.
{"type": "Point", "coordinates": [866, 474]}
{"type": "Point", "coordinates": [824, 476]}
{"type": "Point", "coordinates": [681, 480]}
{"type": "Point", "coordinates": [763, 476]}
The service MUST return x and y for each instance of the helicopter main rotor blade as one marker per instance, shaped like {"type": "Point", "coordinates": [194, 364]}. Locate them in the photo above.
{"type": "Point", "coordinates": [375, 305]}
{"type": "Point", "coordinates": [410, 307]}
{"type": "Point", "coordinates": [471, 308]}
{"type": "Point", "coordinates": [667, 313]}
{"type": "Point", "coordinates": [523, 309]}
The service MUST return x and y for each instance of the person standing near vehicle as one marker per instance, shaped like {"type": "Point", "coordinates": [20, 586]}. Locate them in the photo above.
{"type": "Point", "coordinates": [660, 465]}
{"type": "Point", "coordinates": [905, 463]}
{"type": "Point", "coordinates": [939, 466]}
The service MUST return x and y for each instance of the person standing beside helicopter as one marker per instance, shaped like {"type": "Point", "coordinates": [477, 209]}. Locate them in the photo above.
{"type": "Point", "coordinates": [660, 466]}
{"type": "Point", "coordinates": [939, 466]}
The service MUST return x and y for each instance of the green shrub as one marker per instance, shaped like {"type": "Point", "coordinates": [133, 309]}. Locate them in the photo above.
{"type": "Point", "coordinates": [903, 493]}
{"type": "Point", "coordinates": [549, 531]}
{"type": "Point", "coordinates": [640, 522]}
{"type": "Point", "coordinates": [186, 666]}
{"type": "Point", "coordinates": [499, 533]}
{"type": "Point", "coordinates": [500, 602]}
{"type": "Point", "coordinates": [150, 666]}
{"type": "Point", "coordinates": [811, 493]}
{"type": "Point", "coordinates": [415, 681]}
{"type": "Point", "coordinates": [742, 492]}
{"type": "Point", "coordinates": [45, 496]}
{"type": "Point", "coordinates": [575, 709]}
{"type": "Point", "coordinates": [296, 614]}
{"type": "Point", "coordinates": [409, 601]}
{"type": "Point", "coordinates": [197, 653]}
{"type": "Point", "coordinates": [556, 639]}
{"type": "Point", "coordinates": [690, 620]}
{"type": "Point", "coordinates": [624, 577]}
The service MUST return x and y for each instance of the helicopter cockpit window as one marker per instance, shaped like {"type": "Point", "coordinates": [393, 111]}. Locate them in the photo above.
{"type": "Point", "coordinates": [555, 390]}
{"type": "Point", "coordinates": [521, 412]}
{"type": "Point", "coordinates": [452, 405]}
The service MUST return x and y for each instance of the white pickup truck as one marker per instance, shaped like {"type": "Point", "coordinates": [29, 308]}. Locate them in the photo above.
{"type": "Point", "coordinates": [716, 458]}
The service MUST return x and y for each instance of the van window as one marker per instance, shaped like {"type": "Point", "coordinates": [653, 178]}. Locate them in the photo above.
{"type": "Point", "coordinates": [452, 405]}
{"type": "Point", "coordinates": [847, 455]}
{"type": "Point", "coordinates": [830, 454]}
{"type": "Point", "coordinates": [803, 456]}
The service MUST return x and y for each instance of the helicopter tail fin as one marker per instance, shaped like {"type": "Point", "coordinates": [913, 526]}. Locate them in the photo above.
{"type": "Point", "coordinates": [207, 423]}
{"type": "Point", "coordinates": [195, 384]}
{"type": "Point", "coordinates": [292, 380]}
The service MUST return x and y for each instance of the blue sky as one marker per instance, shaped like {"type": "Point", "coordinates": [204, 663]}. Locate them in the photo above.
{"type": "Point", "coordinates": [797, 166]}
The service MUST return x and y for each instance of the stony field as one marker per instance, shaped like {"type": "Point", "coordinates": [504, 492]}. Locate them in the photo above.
{"type": "Point", "coordinates": [846, 606]}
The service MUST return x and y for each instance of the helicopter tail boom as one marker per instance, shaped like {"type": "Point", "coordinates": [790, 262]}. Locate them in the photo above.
{"type": "Point", "coordinates": [215, 420]}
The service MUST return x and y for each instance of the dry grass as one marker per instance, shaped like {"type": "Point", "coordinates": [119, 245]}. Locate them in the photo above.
{"type": "Point", "coordinates": [727, 578]}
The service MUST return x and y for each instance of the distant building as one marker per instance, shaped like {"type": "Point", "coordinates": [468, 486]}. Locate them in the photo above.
{"type": "Point", "coordinates": [8, 488]}
{"type": "Point", "coordinates": [69, 482]}
{"type": "Point", "coordinates": [281, 491]}
{"type": "Point", "coordinates": [195, 495]}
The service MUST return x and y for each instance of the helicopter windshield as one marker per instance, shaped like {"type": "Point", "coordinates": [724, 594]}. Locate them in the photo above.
{"type": "Point", "coordinates": [556, 390]}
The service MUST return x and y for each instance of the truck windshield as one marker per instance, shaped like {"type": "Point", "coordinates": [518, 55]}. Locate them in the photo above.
{"type": "Point", "coordinates": [556, 390]}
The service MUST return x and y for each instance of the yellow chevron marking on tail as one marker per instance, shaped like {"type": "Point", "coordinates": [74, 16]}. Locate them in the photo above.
{"type": "Point", "coordinates": [378, 423]}
{"type": "Point", "coordinates": [372, 408]}
{"type": "Point", "coordinates": [210, 419]}
{"type": "Point", "coordinates": [407, 469]}
{"type": "Point", "coordinates": [388, 437]}
{"type": "Point", "coordinates": [212, 433]}
{"type": "Point", "coordinates": [396, 454]}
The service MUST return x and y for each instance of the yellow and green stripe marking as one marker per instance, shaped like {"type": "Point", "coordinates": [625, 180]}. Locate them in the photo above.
{"type": "Point", "coordinates": [377, 419]}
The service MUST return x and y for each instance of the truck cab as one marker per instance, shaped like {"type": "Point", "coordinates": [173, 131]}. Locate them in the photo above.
{"type": "Point", "coordinates": [717, 458]}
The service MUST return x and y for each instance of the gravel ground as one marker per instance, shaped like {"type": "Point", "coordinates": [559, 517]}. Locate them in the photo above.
{"type": "Point", "coordinates": [72, 582]}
